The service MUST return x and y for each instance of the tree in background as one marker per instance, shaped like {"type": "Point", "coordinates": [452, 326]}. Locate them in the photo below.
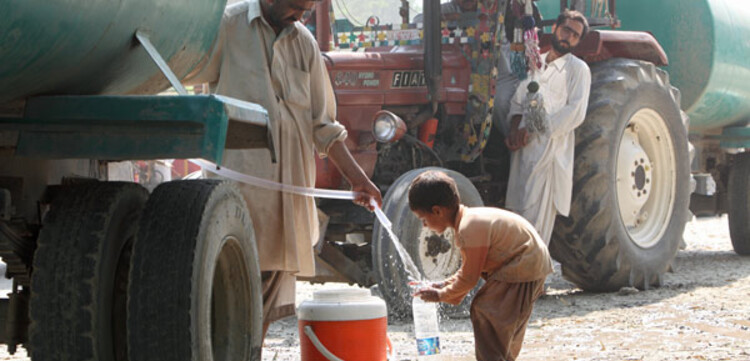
{"type": "Point", "coordinates": [358, 11]}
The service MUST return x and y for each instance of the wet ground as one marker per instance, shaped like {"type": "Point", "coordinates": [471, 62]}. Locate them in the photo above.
{"type": "Point", "coordinates": [701, 313]}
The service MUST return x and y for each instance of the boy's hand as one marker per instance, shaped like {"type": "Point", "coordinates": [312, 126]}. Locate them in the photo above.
{"type": "Point", "coordinates": [427, 294]}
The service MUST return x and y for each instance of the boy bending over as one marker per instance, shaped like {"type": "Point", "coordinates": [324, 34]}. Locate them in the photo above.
{"type": "Point", "coordinates": [497, 245]}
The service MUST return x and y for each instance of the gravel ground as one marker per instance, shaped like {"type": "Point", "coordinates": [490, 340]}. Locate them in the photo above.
{"type": "Point", "coordinates": [701, 313]}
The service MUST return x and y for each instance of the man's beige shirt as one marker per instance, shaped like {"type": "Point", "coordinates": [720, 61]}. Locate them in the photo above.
{"type": "Point", "coordinates": [286, 75]}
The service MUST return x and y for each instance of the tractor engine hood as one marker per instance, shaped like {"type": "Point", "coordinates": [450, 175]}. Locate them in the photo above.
{"type": "Point", "coordinates": [395, 76]}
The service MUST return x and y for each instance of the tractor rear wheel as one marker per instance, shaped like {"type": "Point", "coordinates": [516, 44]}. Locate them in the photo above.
{"type": "Point", "coordinates": [435, 256]}
{"type": "Point", "coordinates": [739, 204]}
{"type": "Point", "coordinates": [80, 277]}
{"type": "Point", "coordinates": [630, 183]}
{"type": "Point", "coordinates": [195, 290]}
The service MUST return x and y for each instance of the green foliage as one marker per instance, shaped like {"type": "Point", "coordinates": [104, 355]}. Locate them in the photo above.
{"type": "Point", "coordinates": [357, 11]}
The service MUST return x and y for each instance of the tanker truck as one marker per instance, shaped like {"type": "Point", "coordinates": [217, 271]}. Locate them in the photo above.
{"type": "Point", "coordinates": [415, 96]}
{"type": "Point", "coordinates": [104, 270]}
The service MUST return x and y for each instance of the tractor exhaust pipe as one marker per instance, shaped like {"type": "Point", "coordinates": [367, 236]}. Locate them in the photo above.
{"type": "Point", "coordinates": [433, 59]}
{"type": "Point", "coordinates": [323, 25]}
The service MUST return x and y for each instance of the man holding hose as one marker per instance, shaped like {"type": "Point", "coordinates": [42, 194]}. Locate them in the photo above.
{"type": "Point", "coordinates": [265, 56]}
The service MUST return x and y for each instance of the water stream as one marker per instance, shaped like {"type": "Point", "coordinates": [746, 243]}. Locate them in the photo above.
{"type": "Point", "coordinates": [412, 271]}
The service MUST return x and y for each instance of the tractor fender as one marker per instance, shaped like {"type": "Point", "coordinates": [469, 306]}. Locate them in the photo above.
{"type": "Point", "coordinates": [599, 45]}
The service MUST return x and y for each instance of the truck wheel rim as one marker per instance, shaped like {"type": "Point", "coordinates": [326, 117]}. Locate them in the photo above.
{"type": "Point", "coordinates": [230, 303]}
{"type": "Point", "coordinates": [646, 177]}
{"type": "Point", "coordinates": [438, 262]}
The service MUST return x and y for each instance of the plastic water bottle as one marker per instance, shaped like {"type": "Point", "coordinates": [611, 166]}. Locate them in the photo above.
{"type": "Point", "coordinates": [534, 112]}
{"type": "Point", "coordinates": [426, 328]}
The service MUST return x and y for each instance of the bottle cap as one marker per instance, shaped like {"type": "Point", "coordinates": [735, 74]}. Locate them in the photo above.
{"type": "Point", "coordinates": [533, 87]}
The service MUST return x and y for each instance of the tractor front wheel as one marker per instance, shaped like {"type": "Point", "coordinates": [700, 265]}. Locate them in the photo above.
{"type": "Point", "coordinates": [436, 257]}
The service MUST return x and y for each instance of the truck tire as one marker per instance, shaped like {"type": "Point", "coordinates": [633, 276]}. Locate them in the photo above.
{"type": "Point", "coordinates": [630, 183]}
{"type": "Point", "coordinates": [79, 282]}
{"type": "Point", "coordinates": [195, 290]}
{"type": "Point", "coordinates": [434, 263]}
{"type": "Point", "coordinates": [739, 204]}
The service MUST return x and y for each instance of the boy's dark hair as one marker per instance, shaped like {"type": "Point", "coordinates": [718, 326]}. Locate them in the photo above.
{"type": "Point", "coordinates": [433, 188]}
{"type": "Point", "coordinates": [574, 15]}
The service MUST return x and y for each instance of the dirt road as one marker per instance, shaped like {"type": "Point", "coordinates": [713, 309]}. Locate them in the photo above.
{"type": "Point", "coordinates": [701, 313]}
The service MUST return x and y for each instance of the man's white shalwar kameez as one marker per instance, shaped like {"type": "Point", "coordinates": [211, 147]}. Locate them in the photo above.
{"type": "Point", "coordinates": [541, 173]}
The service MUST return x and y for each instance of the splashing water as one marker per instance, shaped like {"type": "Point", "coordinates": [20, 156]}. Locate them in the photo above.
{"type": "Point", "coordinates": [412, 271]}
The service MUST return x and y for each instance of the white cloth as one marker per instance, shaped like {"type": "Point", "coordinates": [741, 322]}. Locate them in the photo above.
{"type": "Point", "coordinates": [286, 75]}
{"type": "Point", "coordinates": [505, 88]}
{"type": "Point", "coordinates": [541, 173]}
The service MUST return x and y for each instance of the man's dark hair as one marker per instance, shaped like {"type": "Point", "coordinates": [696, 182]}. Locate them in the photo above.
{"type": "Point", "coordinates": [574, 15]}
{"type": "Point", "coordinates": [433, 188]}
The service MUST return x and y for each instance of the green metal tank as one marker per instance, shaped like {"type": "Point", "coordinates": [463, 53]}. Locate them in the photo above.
{"type": "Point", "coordinates": [88, 46]}
{"type": "Point", "coordinates": [708, 45]}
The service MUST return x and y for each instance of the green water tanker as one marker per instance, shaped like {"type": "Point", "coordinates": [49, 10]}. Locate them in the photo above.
{"type": "Point", "coordinates": [101, 269]}
{"type": "Point", "coordinates": [89, 47]}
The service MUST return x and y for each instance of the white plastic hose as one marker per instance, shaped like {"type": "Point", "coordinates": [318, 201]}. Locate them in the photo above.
{"type": "Point", "coordinates": [271, 185]}
{"type": "Point", "coordinates": [380, 215]}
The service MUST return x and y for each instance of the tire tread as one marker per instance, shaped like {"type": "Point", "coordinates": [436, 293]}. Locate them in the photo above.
{"type": "Point", "coordinates": [65, 281]}
{"type": "Point", "coordinates": [586, 242]}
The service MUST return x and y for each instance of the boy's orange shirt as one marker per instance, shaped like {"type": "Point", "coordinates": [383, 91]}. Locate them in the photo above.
{"type": "Point", "coordinates": [498, 244]}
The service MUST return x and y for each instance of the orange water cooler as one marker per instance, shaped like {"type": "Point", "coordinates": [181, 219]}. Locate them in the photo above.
{"type": "Point", "coordinates": [343, 324]}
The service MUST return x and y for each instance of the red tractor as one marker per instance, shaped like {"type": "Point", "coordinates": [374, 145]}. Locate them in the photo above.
{"type": "Point", "coordinates": [421, 95]}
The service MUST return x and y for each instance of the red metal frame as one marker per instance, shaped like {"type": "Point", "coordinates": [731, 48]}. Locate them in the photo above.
{"type": "Point", "coordinates": [601, 45]}
{"type": "Point", "coordinates": [363, 84]}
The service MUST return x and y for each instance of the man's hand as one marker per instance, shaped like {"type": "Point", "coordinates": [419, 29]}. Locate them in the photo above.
{"type": "Point", "coordinates": [367, 191]}
{"type": "Point", "coordinates": [353, 173]}
{"type": "Point", "coordinates": [518, 138]}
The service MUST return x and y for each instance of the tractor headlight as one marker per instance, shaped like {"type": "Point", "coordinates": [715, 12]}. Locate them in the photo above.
{"type": "Point", "coordinates": [388, 127]}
